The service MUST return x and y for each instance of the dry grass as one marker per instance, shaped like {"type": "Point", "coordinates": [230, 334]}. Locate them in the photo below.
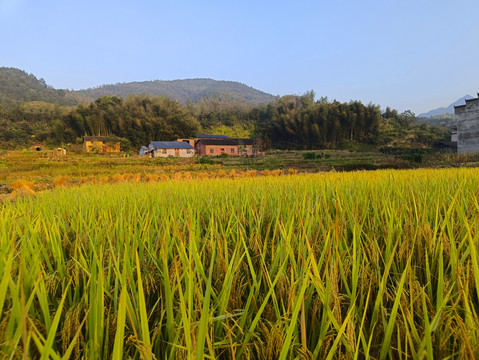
{"type": "Point", "coordinates": [136, 178]}
{"type": "Point", "coordinates": [62, 180]}
{"type": "Point", "coordinates": [232, 174]}
{"type": "Point", "coordinates": [151, 178]}
{"type": "Point", "coordinates": [22, 187]}
{"type": "Point", "coordinates": [117, 178]}
{"type": "Point", "coordinates": [177, 176]}
{"type": "Point", "coordinates": [164, 177]}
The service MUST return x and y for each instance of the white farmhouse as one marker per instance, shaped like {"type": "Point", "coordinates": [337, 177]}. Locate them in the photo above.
{"type": "Point", "coordinates": [171, 148]}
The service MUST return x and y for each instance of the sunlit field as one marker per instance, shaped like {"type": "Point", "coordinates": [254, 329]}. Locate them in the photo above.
{"type": "Point", "coordinates": [357, 265]}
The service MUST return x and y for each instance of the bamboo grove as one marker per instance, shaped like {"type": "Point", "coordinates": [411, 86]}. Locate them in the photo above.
{"type": "Point", "coordinates": [365, 265]}
{"type": "Point", "coordinates": [291, 122]}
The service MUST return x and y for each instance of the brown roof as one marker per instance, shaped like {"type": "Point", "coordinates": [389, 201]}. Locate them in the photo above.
{"type": "Point", "coordinates": [230, 142]}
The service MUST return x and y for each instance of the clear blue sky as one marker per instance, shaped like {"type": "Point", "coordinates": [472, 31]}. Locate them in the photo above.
{"type": "Point", "coordinates": [407, 54]}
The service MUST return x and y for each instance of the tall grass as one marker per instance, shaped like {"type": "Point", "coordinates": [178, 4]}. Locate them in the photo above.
{"type": "Point", "coordinates": [339, 265]}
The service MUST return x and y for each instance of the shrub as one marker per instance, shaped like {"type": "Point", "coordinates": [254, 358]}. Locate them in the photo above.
{"type": "Point", "coordinates": [205, 160]}
{"type": "Point", "coordinates": [309, 156]}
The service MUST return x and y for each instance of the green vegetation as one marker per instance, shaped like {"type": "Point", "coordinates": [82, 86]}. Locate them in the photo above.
{"type": "Point", "coordinates": [290, 122]}
{"type": "Point", "coordinates": [355, 265]}
{"type": "Point", "coordinates": [192, 90]}
{"type": "Point", "coordinates": [17, 85]}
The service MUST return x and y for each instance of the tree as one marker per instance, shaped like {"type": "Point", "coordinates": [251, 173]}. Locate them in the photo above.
{"type": "Point", "coordinates": [407, 118]}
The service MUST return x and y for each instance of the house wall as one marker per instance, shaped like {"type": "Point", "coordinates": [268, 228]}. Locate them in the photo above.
{"type": "Point", "coordinates": [467, 118]}
{"type": "Point", "coordinates": [246, 150]}
{"type": "Point", "coordinates": [173, 152]}
{"type": "Point", "coordinates": [189, 141]}
{"type": "Point", "coordinates": [215, 150]}
{"type": "Point", "coordinates": [106, 148]}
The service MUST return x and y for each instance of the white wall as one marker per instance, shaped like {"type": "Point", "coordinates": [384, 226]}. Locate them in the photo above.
{"type": "Point", "coordinates": [172, 152]}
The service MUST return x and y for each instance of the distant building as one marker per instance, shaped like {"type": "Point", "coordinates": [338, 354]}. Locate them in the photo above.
{"type": "Point", "coordinates": [218, 146]}
{"type": "Point", "coordinates": [203, 144]}
{"type": "Point", "coordinates": [467, 126]}
{"type": "Point", "coordinates": [37, 147]}
{"type": "Point", "coordinates": [210, 136]}
{"type": "Point", "coordinates": [171, 148]}
{"type": "Point", "coordinates": [188, 141]}
{"type": "Point", "coordinates": [144, 150]}
{"type": "Point", "coordinates": [100, 144]}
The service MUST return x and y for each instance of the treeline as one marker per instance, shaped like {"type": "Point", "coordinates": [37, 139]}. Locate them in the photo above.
{"type": "Point", "coordinates": [139, 119]}
{"type": "Point", "coordinates": [291, 122]}
{"type": "Point", "coordinates": [17, 85]}
{"type": "Point", "coordinates": [300, 122]}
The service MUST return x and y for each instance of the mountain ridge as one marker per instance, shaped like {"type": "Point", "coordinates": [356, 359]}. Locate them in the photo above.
{"type": "Point", "coordinates": [446, 110]}
{"type": "Point", "coordinates": [183, 90]}
{"type": "Point", "coordinates": [17, 85]}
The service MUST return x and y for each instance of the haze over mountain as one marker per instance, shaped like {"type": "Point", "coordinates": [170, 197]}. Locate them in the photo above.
{"type": "Point", "coordinates": [183, 90]}
{"type": "Point", "coordinates": [17, 85]}
{"type": "Point", "coordinates": [446, 110]}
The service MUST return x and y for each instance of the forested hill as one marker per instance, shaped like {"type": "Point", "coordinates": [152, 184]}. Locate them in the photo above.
{"type": "Point", "coordinates": [193, 90]}
{"type": "Point", "coordinates": [17, 85]}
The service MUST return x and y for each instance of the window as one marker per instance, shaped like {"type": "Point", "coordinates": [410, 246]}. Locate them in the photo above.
{"type": "Point", "coordinates": [189, 151]}
{"type": "Point", "coordinates": [163, 151]}
{"type": "Point", "coordinates": [232, 150]}
{"type": "Point", "coordinates": [222, 150]}
{"type": "Point", "coordinates": [212, 150]}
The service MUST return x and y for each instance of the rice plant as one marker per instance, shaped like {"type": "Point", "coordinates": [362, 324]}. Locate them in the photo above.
{"type": "Point", "coordinates": [357, 265]}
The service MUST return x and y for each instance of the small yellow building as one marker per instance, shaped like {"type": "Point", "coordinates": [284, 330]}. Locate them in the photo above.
{"type": "Point", "coordinates": [101, 144]}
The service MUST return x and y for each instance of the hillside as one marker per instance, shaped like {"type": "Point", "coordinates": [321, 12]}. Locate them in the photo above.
{"type": "Point", "coordinates": [183, 90]}
{"type": "Point", "coordinates": [17, 85]}
{"type": "Point", "coordinates": [446, 110]}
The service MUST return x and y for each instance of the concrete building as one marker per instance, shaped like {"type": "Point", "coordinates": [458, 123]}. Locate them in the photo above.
{"type": "Point", "coordinates": [467, 125]}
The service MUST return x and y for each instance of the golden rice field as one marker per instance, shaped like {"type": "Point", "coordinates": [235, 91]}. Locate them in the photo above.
{"type": "Point", "coordinates": [364, 265]}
